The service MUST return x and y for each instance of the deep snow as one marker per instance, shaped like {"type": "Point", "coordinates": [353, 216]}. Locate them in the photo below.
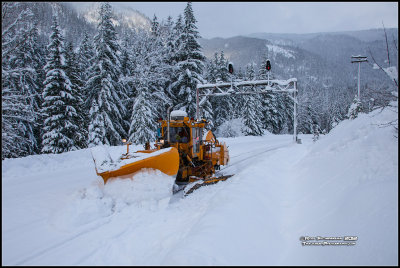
{"type": "Point", "coordinates": [56, 210]}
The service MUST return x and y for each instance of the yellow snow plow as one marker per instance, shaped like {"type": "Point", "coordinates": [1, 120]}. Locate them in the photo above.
{"type": "Point", "coordinates": [183, 149]}
{"type": "Point", "coordinates": [167, 161]}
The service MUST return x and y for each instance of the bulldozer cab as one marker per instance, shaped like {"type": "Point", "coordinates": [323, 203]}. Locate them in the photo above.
{"type": "Point", "coordinates": [184, 133]}
{"type": "Point", "coordinates": [179, 134]}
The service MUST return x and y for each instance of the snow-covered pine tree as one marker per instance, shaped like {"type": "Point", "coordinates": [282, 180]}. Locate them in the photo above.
{"type": "Point", "coordinates": [211, 69]}
{"type": "Point", "coordinates": [150, 61]}
{"type": "Point", "coordinates": [190, 64]}
{"type": "Point", "coordinates": [38, 62]}
{"type": "Point", "coordinates": [355, 108]}
{"type": "Point", "coordinates": [237, 101]}
{"type": "Point", "coordinates": [177, 33]}
{"type": "Point", "coordinates": [307, 119]}
{"type": "Point", "coordinates": [174, 58]}
{"type": "Point", "coordinates": [168, 40]}
{"type": "Point", "coordinates": [282, 114]}
{"type": "Point", "coordinates": [273, 109]}
{"type": "Point", "coordinates": [143, 128]}
{"type": "Point", "coordinates": [155, 26]}
{"type": "Point", "coordinates": [252, 109]}
{"type": "Point", "coordinates": [30, 56]}
{"type": "Point", "coordinates": [222, 106]}
{"type": "Point", "coordinates": [105, 92]}
{"type": "Point", "coordinates": [222, 68]}
{"type": "Point", "coordinates": [287, 114]}
{"type": "Point", "coordinates": [59, 106]}
{"type": "Point", "coordinates": [73, 72]}
{"type": "Point", "coordinates": [270, 118]}
{"type": "Point", "coordinates": [335, 115]}
{"type": "Point", "coordinates": [251, 119]}
{"type": "Point", "coordinates": [20, 100]}
{"type": "Point", "coordinates": [127, 78]}
{"type": "Point", "coordinates": [157, 67]}
{"type": "Point", "coordinates": [85, 56]}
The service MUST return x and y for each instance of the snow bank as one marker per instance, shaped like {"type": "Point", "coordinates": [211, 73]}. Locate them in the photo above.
{"type": "Point", "coordinates": [347, 185]}
{"type": "Point", "coordinates": [148, 188]}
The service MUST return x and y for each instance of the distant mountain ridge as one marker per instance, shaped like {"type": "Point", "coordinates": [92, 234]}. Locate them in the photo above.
{"type": "Point", "coordinates": [363, 35]}
{"type": "Point", "coordinates": [313, 54]}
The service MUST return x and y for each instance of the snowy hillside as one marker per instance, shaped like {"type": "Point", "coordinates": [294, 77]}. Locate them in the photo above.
{"type": "Point", "coordinates": [125, 15]}
{"type": "Point", "coordinates": [56, 211]}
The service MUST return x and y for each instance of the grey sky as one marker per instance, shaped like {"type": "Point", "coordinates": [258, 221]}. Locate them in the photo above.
{"type": "Point", "coordinates": [227, 19]}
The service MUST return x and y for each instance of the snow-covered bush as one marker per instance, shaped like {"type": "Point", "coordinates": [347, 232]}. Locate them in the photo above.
{"type": "Point", "coordinates": [355, 108]}
{"type": "Point", "coordinates": [231, 128]}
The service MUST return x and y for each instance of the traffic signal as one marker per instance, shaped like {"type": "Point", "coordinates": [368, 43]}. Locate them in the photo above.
{"type": "Point", "coordinates": [230, 68]}
{"type": "Point", "coordinates": [268, 65]}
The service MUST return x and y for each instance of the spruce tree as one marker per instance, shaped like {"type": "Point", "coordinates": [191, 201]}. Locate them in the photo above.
{"type": "Point", "coordinates": [38, 62]}
{"type": "Point", "coordinates": [59, 107]}
{"type": "Point", "coordinates": [28, 56]}
{"type": "Point", "coordinates": [85, 56]}
{"type": "Point", "coordinates": [270, 118]}
{"type": "Point", "coordinates": [168, 51]}
{"type": "Point", "coordinates": [252, 109]}
{"type": "Point", "coordinates": [21, 81]}
{"type": "Point", "coordinates": [73, 71]}
{"type": "Point", "coordinates": [105, 94]}
{"type": "Point", "coordinates": [222, 106]}
{"type": "Point", "coordinates": [190, 64]}
{"type": "Point", "coordinates": [307, 119]}
{"type": "Point", "coordinates": [211, 69]}
{"type": "Point", "coordinates": [142, 128]}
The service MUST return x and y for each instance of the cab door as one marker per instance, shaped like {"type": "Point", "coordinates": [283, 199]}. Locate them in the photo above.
{"type": "Point", "coordinates": [196, 139]}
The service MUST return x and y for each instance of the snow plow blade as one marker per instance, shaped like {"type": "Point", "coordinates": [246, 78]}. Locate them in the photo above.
{"type": "Point", "coordinates": [165, 160]}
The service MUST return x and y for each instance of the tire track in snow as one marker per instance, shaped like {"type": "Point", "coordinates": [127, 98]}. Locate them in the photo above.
{"type": "Point", "coordinates": [61, 243]}
{"type": "Point", "coordinates": [255, 154]}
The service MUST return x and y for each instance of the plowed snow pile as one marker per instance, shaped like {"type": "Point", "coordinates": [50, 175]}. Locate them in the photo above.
{"type": "Point", "coordinates": [56, 210]}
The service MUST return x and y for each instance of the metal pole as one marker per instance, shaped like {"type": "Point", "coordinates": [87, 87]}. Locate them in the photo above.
{"type": "Point", "coordinates": [295, 112]}
{"type": "Point", "coordinates": [359, 68]}
{"type": "Point", "coordinates": [197, 103]}
{"type": "Point", "coordinates": [359, 60]}
{"type": "Point", "coordinates": [168, 118]}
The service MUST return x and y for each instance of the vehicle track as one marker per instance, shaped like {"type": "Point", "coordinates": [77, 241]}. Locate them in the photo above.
{"type": "Point", "coordinates": [61, 243]}
{"type": "Point", "coordinates": [255, 154]}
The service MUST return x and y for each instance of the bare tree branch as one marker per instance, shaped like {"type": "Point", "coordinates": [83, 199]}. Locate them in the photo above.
{"type": "Point", "coordinates": [387, 44]}
{"type": "Point", "coordinates": [372, 56]}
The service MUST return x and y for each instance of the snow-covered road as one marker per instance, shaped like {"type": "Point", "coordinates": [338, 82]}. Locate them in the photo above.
{"type": "Point", "coordinates": [56, 210]}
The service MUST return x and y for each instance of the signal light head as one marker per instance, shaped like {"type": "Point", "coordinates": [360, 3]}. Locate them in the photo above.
{"type": "Point", "coordinates": [230, 68]}
{"type": "Point", "coordinates": [268, 65]}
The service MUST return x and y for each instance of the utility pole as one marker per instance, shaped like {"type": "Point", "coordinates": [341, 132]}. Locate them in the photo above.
{"type": "Point", "coordinates": [358, 59]}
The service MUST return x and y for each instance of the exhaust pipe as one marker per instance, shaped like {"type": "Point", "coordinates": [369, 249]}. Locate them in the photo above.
{"type": "Point", "coordinates": [168, 118]}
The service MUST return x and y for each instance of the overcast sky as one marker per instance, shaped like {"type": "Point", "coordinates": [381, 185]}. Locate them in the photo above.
{"type": "Point", "coordinates": [227, 19]}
